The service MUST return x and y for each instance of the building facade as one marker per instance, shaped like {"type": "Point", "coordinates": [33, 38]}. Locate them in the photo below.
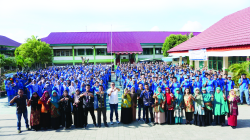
{"type": "Point", "coordinates": [106, 47]}
{"type": "Point", "coordinates": [225, 43]}
{"type": "Point", "coordinates": [8, 46]}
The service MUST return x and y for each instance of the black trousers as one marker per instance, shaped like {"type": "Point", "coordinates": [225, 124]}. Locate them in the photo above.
{"type": "Point", "coordinates": [103, 112]}
{"type": "Point", "coordinates": [219, 119]}
{"type": "Point", "coordinates": [150, 109]}
{"type": "Point", "coordinates": [85, 114]}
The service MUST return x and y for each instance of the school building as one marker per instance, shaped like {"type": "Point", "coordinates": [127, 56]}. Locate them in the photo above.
{"type": "Point", "coordinates": [8, 46]}
{"type": "Point", "coordinates": [224, 43]}
{"type": "Point", "coordinates": [68, 47]}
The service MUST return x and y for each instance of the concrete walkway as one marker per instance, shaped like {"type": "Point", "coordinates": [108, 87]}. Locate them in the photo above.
{"type": "Point", "coordinates": [133, 131]}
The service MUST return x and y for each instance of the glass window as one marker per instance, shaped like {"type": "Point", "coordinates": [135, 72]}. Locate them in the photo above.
{"type": "Point", "coordinates": [89, 51]}
{"type": "Point", "coordinates": [158, 51]}
{"type": "Point", "coordinates": [215, 65]}
{"type": "Point", "coordinates": [220, 65]}
{"type": "Point", "coordinates": [101, 51]}
{"type": "Point", "coordinates": [81, 51]}
{"type": "Point", "coordinates": [57, 53]}
{"type": "Point", "coordinates": [242, 58]}
{"type": "Point", "coordinates": [210, 65]}
{"type": "Point", "coordinates": [67, 53]}
{"type": "Point", "coordinates": [219, 58]}
{"type": "Point", "coordinates": [62, 53]}
{"type": "Point", "coordinates": [147, 51]}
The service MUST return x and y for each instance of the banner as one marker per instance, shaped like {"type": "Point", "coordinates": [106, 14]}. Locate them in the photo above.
{"type": "Point", "coordinates": [197, 54]}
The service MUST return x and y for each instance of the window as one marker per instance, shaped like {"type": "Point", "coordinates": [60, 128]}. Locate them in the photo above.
{"type": "Point", "coordinates": [147, 51]}
{"type": "Point", "coordinates": [158, 51]}
{"type": "Point", "coordinates": [81, 52]}
{"type": "Point", "coordinates": [62, 53]}
{"type": "Point", "coordinates": [89, 51]}
{"type": "Point", "coordinates": [215, 63]}
{"type": "Point", "coordinates": [101, 51]}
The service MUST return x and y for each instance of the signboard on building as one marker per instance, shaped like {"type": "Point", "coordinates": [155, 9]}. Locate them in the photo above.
{"type": "Point", "coordinates": [198, 54]}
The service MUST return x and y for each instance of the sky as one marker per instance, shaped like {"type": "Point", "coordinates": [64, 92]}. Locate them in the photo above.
{"type": "Point", "coordinates": [20, 19]}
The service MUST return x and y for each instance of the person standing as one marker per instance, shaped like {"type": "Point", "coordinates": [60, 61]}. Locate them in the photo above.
{"type": "Point", "coordinates": [66, 117]}
{"type": "Point", "coordinates": [55, 111]}
{"type": "Point", "coordinates": [45, 110]}
{"type": "Point", "coordinates": [159, 113]}
{"type": "Point", "coordinates": [199, 113]}
{"type": "Point", "coordinates": [148, 101]}
{"type": "Point", "coordinates": [178, 113]}
{"type": "Point", "coordinates": [244, 84]}
{"type": "Point", "coordinates": [134, 103]}
{"type": "Point", "coordinates": [77, 109]}
{"type": "Point", "coordinates": [35, 111]}
{"type": "Point", "coordinates": [101, 98]}
{"type": "Point", "coordinates": [87, 99]}
{"type": "Point", "coordinates": [113, 102]}
{"type": "Point", "coordinates": [169, 109]}
{"type": "Point", "coordinates": [220, 107]}
{"type": "Point", "coordinates": [208, 99]}
{"type": "Point", "coordinates": [233, 109]}
{"type": "Point", "coordinates": [126, 111]}
{"type": "Point", "coordinates": [189, 106]}
{"type": "Point", "coordinates": [140, 103]}
{"type": "Point", "coordinates": [21, 109]}
{"type": "Point", "coordinates": [229, 85]}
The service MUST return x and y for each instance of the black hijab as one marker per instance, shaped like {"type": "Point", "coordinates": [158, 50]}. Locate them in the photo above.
{"type": "Point", "coordinates": [34, 102]}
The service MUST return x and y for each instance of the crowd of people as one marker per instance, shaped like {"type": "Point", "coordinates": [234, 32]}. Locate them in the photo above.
{"type": "Point", "coordinates": [166, 92]}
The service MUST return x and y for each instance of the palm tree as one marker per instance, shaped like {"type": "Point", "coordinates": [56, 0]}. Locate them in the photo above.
{"type": "Point", "coordinates": [238, 69]}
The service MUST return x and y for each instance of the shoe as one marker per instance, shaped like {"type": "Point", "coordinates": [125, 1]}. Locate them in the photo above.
{"type": "Point", "coordinates": [111, 123]}
{"type": "Point", "coordinates": [18, 131]}
{"type": "Point", "coordinates": [99, 125]}
{"type": "Point", "coordinates": [152, 123]}
{"type": "Point", "coordinates": [95, 125]}
{"type": "Point", "coordinates": [241, 103]}
{"type": "Point", "coordinates": [117, 122]}
{"type": "Point", "coordinates": [106, 125]}
{"type": "Point", "coordinates": [146, 122]}
{"type": "Point", "coordinates": [28, 129]}
{"type": "Point", "coordinates": [138, 120]}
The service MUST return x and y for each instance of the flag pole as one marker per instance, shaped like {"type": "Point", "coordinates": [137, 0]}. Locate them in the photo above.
{"type": "Point", "coordinates": [111, 47]}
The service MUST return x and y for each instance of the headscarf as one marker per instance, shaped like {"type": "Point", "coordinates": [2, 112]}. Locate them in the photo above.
{"type": "Point", "coordinates": [179, 97]}
{"type": "Point", "coordinates": [45, 100]}
{"type": "Point", "coordinates": [34, 101]}
{"type": "Point", "coordinates": [168, 90]}
{"type": "Point", "coordinates": [76, 97]}
{"type": "Point", "coordinates": [231, 96]}
{"type": "Point", "coordinates": [206, 96]}
{"type": "Point", "coordinates": [168, 97]}
{"type": "Point", "coordinates": [157, 89]}
{"type": "Point", "coordinates": [54, 100]}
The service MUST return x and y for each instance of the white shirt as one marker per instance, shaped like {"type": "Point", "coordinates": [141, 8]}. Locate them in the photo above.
{"type": "Point", "coordinates": [113, 98]}
{"type": "Point", "coordinates": [71, 90]}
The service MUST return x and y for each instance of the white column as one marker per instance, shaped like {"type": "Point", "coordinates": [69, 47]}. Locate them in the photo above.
{"type": "Point", "coordinates": [225, 63]}
{"type": "Point", "coordinates": [191, 62]}
{"type": "Point", "coordinates": [180, 61]}
{"type": "Point", "coordinates": [197, 64]}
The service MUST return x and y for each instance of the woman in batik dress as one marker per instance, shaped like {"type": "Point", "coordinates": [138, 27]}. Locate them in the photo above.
{"type": "Point", "coordinates": [35, 111]}
{"type": "Point", "coordinates": [189, 106]}
{"type": "Point", "coordinates": [159, 114]}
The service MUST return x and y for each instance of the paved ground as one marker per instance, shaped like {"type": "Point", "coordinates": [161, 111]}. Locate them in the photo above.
{"type": "Point", "coordinates": [136, 130]}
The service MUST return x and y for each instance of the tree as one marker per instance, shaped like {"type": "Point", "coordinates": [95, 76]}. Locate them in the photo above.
{"type": "Point", "coordinates": [2, 60]}
{"type": "Point", "coordinates": [10, 61]}
{"type": "Point", "coordinates": [172, 41]}
{"type": "Point", "coordinates": [33, 51]}
{"type": "Point", "coordinates": [238, 69]}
